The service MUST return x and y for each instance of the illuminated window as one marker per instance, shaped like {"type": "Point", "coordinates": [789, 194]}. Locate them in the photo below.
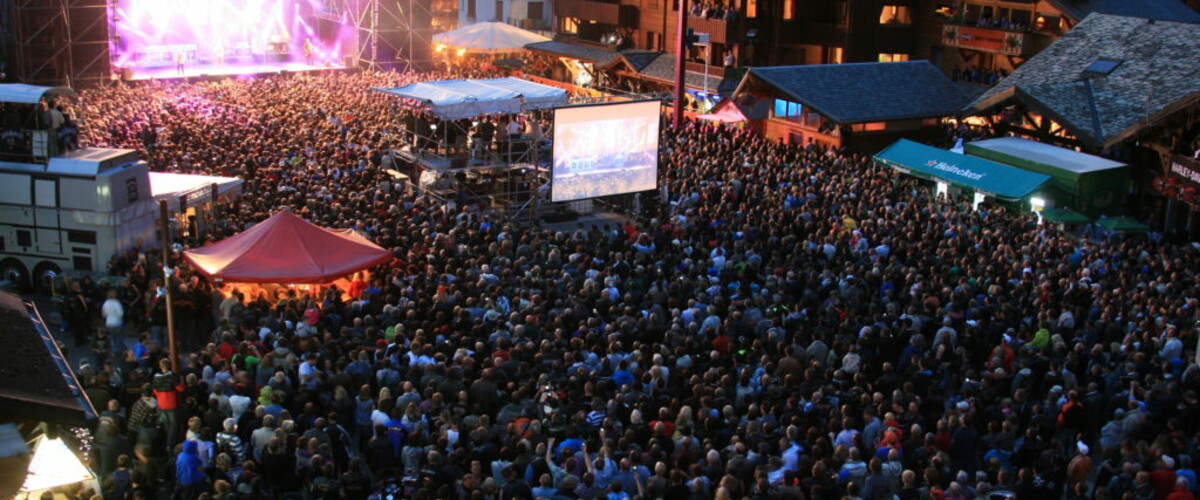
{"type": "Point", "coordinates": [944, 10]}
{"type": "Point", "coordinates": [869, 127]}
{"type": "Point", "coordinates": [785, 109]}
{"type": "Point", "coordinates": [892, 57]}
{"type": "Point", "coordinates": [834, 55]}
{"type": "Point", "coordinates": [895, 14]}
{"type": "Point", "coordinates": [751, 9]}
{"type": "Point", "coordinates": [788, 7]}
{"type": "Point", "coordinates": [570, 25]}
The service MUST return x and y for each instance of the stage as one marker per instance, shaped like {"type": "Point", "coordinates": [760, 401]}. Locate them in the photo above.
{"type": "Point", "coordinates": [584, 221]}
{"type": "Point", "coordinates": [195, 70]}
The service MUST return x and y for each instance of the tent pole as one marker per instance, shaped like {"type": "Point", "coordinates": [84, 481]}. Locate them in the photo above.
{"type": "Point", "coordinates": [172, 343]}
{"type": "Point", "coordinates": [680, 64]}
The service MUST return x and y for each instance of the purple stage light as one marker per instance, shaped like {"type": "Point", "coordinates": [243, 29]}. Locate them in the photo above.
{"type": "Point", "coordinates": [173, 38]}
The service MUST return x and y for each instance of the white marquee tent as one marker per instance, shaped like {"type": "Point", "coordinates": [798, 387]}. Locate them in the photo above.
{"type": "Point", "coordinates": [165, 185]}
{"type": "Point", "coordinates": [491, 37]}
{"type": "Point", "coordinates": [29, 94]}
{"type": "Point", "coordinates": [456, 99]}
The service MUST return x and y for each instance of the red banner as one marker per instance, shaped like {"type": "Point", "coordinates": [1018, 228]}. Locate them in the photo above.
{"type": "Point", "coordinates": [987, 40]}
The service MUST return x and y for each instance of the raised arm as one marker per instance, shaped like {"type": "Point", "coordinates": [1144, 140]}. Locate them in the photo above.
{"type": "Point", "coordinates": [587, 460]}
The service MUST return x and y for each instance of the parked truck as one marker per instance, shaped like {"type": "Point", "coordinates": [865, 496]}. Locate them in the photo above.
{"type": "Point", "coordinates": [72, 210]}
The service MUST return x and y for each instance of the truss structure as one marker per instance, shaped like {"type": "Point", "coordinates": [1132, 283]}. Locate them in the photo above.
{"type": "Point", "coordinates": [60, 42]}
{"type": "Point", "coordinates": [394, 33]}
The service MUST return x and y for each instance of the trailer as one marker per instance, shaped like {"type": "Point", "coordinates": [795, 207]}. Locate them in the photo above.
{"type": "Point", "coordinates": [1090, 184]}
{"type": "Point", "coordinates": [69, 211]}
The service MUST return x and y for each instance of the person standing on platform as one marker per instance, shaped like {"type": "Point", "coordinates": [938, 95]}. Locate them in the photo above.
{"type": "Point", "coordinates": [180, 57]}
{"type": "Point", "coordinates": [308, 51]}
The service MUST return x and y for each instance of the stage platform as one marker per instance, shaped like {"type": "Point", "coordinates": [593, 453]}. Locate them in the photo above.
{"type": "Point", "coordinates": [197, 70]}
{"type": "Point", "coordinates": [587, 222]}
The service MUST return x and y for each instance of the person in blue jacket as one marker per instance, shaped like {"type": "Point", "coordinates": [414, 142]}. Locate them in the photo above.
{"type": "Point", "coordinates": [190, 479]}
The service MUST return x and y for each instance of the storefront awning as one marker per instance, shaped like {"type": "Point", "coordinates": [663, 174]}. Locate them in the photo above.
{"type": "Point", "coordinates": [989, 178]}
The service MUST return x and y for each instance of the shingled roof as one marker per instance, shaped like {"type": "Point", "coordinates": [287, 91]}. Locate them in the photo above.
{"type": "Point", "coordinates": [866, 92]}
{"type": "Point", "coordinates": [600, 57]}
{"type": "Point", "coordinates": [36, 382]}
{"type": "Point", "coordinates": [662, 68]}
{"type": "Point", "coordinates": [1158, 73]}
{"type": "Point", "coordinates": [637, 59]}
{"type": "Point", "coordinates": [1161, 10]}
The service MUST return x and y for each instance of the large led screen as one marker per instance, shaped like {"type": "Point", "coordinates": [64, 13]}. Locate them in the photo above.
{"type": "Point", "coordinates": [605, 149]}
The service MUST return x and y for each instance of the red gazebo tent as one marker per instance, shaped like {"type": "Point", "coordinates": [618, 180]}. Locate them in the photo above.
{"type": "Point", "coordinates": [287, 249]}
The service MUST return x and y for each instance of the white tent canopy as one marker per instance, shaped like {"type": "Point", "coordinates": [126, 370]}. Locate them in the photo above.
{"type": "Point", "coordinates": [489, 37]}
{"type": "Point", "coordinates": [28, 94]}
{"type": "Point", "coordinates": [165, 185]}
{"type": "Point", "coordinates": [456, 99]}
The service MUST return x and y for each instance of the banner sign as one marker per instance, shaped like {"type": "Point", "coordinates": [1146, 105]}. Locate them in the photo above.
{"type": "Point", "coordinates": [984, 39]}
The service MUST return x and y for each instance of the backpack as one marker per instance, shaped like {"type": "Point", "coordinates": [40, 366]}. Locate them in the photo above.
{"type": "Point", "coordinates": [165, 382]}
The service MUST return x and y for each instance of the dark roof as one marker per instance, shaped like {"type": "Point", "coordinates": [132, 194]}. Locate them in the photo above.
{"type": "Point", "coordinates": [1161, 10]}
{"type": "Point", "coordinates": [639, 59]}
{"type": "Point", "coordinates": [1159, 73]}
{"type": "Point", "coordinates": [598, 56]}
{"type": "Point", "coordinates": [36, 382]}
{"type": "Point", "coordinates": [662, 68]}
{"type": "Point", "coordinates": [867, 92]}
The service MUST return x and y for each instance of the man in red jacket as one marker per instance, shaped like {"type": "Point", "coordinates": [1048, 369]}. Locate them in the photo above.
{"type": "Point", "coordinates": [167, 387]}
{"type": "Point", "coordinates": [1163, 478]}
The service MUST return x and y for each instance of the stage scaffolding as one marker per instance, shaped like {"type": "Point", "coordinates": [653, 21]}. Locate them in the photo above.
{"type": "Point", "coordinates": [503, 176]}
{"type": "Point", "coordinates": [60, 42]}
{"type": "Point", "coordinates": [394, 34]}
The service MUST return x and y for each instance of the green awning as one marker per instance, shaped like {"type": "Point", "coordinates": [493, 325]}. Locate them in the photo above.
{"type": "Point", "coordinates": [1123, 224]}
{"type": "Point", "coordinates": [976, 174]}
{"type": "Point", "coordinates": [1064, 215]}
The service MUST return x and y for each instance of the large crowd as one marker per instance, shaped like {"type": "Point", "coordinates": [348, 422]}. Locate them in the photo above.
{"type": "Point", "coordinates": [788, 322]}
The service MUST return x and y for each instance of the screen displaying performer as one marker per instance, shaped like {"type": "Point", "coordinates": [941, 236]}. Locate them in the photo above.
{"type": "Point", "coordinates": [228, 36]}
{"type": "Point", "coordinates": [604, 150]}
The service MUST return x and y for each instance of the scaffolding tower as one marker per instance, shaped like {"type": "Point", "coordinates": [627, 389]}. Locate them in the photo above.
{"type": "Point", "coordinates": [60, 42]}
{"type": "Point", "coordinates": [395, 34]}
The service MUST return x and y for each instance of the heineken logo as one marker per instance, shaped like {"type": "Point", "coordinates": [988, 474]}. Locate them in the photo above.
{"type": "Point", "coordinates": [955, 169]}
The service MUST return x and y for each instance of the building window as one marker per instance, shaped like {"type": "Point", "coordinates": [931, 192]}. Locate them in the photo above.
{"type": "Point", "coordinates": [944, 11]}
{"type": "Point", "coordinates": [787, 109]}
{"type": "Point", "coordinates": [895, 14]}
{"type": "Point", "coordinates": [751, 9]}
{"type": "Point", "coordinates": [869, 127]}
{"type": "Point", "coordinates": [570, 26]}
{"type": "Point", "coordinates": [833, 55]}
{"type": "Point", "coordinates": [897, 57]}
{"type": "Point", "coordinates": [789, 6]}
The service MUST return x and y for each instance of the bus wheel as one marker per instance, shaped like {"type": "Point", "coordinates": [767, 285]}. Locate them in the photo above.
{"type": "Point", "coordinates": [43, 277]}
{"type": "Point", "coordinates": [12, 271]}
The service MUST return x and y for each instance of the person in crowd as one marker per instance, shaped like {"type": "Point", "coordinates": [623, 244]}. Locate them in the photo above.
{"type": "Point", "coordinates": [788, 320]}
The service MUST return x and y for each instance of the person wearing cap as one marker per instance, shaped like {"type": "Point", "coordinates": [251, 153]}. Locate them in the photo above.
{"type": "Point", "coordinates": [1080, 467]}
{"type": "Point", "coordinates": [1163, 476]}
